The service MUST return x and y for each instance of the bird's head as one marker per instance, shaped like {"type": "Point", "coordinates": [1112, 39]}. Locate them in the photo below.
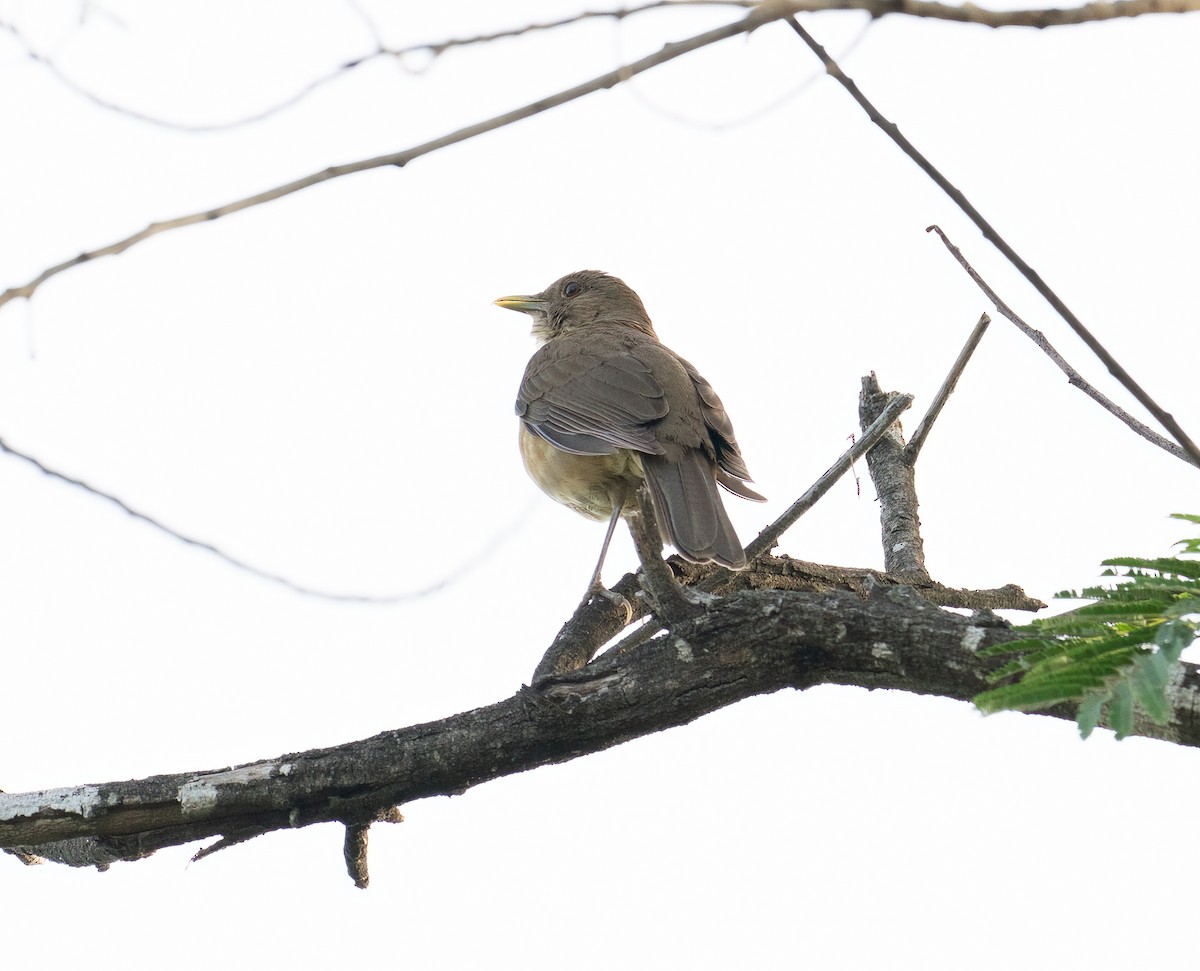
{"type": "Point", "coordinates": [578, 300]}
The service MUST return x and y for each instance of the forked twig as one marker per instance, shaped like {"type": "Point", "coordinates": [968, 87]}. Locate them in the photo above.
{"type": "Point", "coordinates": [608, 80]}
{"type": "Point", "coordinates": [969, 13]}
{"type": "Point", "coordinates": [762, 544]}
{"type": "Point", "coordinates": [1073, 376]}
{"type": "Point", "coordinates": [432, 48]}
{"type": "Point", "coordinates": [769, 537]}
{"type": "Point", "coordinates": [1164, 418]}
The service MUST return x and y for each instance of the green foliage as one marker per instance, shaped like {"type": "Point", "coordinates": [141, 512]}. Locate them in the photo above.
{"type": "Point", "coordinates": [1114, 656]}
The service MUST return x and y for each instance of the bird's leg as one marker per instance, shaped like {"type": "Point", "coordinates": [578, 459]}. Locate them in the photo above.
{"type": "Point", "coordinates": [595, 587]}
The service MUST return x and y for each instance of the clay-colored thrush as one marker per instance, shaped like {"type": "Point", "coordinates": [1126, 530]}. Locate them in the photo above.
{"type": "Point", "coordinates": [604, 406]}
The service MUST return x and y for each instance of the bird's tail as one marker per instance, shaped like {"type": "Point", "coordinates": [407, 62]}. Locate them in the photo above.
{"type": "Point", "coordinates": [689, 509]}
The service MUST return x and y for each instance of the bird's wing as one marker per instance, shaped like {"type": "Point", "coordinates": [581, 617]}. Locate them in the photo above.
{"type": "Point", "coordinates": [731, 467]}
{"type": "Point", "coordinates": [591, 396]}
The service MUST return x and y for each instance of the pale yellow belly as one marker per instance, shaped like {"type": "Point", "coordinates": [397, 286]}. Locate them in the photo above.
{"type": "Point", "coordinates": [592, 485]}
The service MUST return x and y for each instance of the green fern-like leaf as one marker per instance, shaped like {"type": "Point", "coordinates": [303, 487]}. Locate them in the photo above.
{"type": "Point", "coordinates": [1036, 696]}
{"type": "Point", "coordinates": [1113, 656]}
{"type": "Point", "coordinates": [1167, 565]}
{"type": "Point", "coordinates": [1188, 545]}
{"type": "Point", "coordinates": [1022, 646]}
{"type": "Point", "coordinates": [1120, 710]}
{"type": "Point", "coordinates": [1090, 710]}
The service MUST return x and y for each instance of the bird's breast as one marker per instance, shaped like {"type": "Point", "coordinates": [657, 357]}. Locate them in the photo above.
{"type": "Point", "coordinates": [592, 485]}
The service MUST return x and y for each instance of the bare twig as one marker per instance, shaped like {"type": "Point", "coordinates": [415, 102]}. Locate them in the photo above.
{"type": "Point", "coordinates": [490, 548]}
{"type": "Point", "coordinates": [913, 449]}
{"type": "Point", "coordinates": [769, 537]}
{"type": "Point", "coordinates": [760, 14]}
{"type": "Point", "coordinates": [1164, 418]}
{"type": "Point", "coordinates": [1037, 17]}
{"type": "Point", "coordinates": [1073, 376]}
{"type": "Point", "coordinates": [752, 113]}
{"type": "Point", "coordinates": [434, 48]}
{"type": "Point", "coordinates": [84, 92]}
{"type": "Point", "coordinates": [968, 13]}
{"type": "Point", "coordinates": [608, 80]}
{"type": "Point", "coordinates": [618, 13]}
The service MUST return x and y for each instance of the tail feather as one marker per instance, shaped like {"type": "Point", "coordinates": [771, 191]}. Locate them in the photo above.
{"type": "Point", "coordinates": [690, 513]}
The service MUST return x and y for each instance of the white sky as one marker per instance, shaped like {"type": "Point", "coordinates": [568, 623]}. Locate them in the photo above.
{"type": "Point", "coordinates": [277, 383]}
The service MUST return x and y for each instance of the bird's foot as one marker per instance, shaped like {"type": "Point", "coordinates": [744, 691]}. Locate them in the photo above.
{"type": "Point", "coordinates": [597, 589]}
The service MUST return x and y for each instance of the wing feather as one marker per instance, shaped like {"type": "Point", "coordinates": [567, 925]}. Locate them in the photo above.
{"type": "Point", "coordinates": [591, 397]}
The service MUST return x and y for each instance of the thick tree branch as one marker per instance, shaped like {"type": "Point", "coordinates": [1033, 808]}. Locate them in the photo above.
{"type": "Point", "coordinates": [750, 643]}
{"type": "Point", "coordinates": [788, 573]}
{"type": "Point", "coordinates": [895, 484]}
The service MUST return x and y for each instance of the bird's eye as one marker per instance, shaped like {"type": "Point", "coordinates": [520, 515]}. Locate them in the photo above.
{"type": "Point", "coordinates": [572, 288]}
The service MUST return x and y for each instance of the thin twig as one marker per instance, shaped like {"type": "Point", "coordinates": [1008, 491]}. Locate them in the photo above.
{"type": "Point", "coordinates": [768, 539]}
{"type": "Point", "coordinates": [913, 448]}
{"type": "Point", "coordinates": [1036, 17]}
{"type": "Point", "coordinates": [619, 13]}
{"type": "Point", "coordinates": [968, 13]}
{"type": "Point", "coordinates": [1073, 376]}
{"type": "Point", "coordinates": [230, 839]}
{"type": "Point", "coordinates": [434, 48]}
{"type": "Point", "coordinates": [493, 545]}
{"type": "Point", "coordinates": [608, 80]}
{"type": "Point", "coordinates": [261, 115]}
{"type": "Point", "coordinates": [751, 114]}
{"type": "Point", "coordinates": [761, 13]}
{"type": "Point", "coordinates": [1164, 418]}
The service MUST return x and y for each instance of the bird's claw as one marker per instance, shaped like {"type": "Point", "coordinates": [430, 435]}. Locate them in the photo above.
{"type": "Point", "coordinates": [598, 589]}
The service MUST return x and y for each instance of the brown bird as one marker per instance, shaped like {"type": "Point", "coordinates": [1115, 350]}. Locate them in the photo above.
{"type": "Point", "coordinates": [604, 406]}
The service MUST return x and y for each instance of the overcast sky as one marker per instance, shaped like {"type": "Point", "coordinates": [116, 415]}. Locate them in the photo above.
{"type": "Point", "coordinates": [322, 388]}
